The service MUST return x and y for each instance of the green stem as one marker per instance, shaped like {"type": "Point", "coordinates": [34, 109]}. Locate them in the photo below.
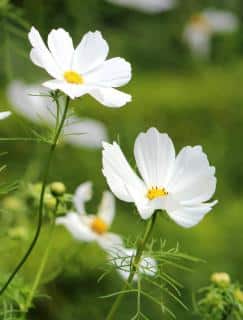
{"type": "Point", "coordinates": [135, 263]}
{"type": "Point", "coordinates": [41, 203]}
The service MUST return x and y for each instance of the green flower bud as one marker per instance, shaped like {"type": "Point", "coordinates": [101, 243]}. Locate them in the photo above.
{"type": "Point", "coordinates": [50, 202]}
{"type": "Point", "coordinates": [239, 295]}
{"type": "Point", "coordinates": [18, 233]}
{"type": "Point", "coordinates": [57, 189]}
{"type": "Point", "coordinates": [221, 279]}
{"type": "Point", "coordinates": [12, 203]}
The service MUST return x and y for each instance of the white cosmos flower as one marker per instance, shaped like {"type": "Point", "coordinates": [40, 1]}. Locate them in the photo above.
{"type": "Point", "coordinates": [201, 27]}
{"type": "Point", "coordinates": [180, 184]}
{"type": "Point", "coordinates": [122, 257]}
{"type": "Point", "coordinates": [29, 102]}
{"type": "Point", "coordinates": [4, 114]}
{"type": "Point", "coordinates": [151, 6]}
{"type": "Point", "coordinates": [90, 228]}
{"type": "Point", "coordinates": [83, 70]}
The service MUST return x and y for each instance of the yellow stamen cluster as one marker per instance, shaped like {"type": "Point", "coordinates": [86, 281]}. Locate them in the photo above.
{"type": "Point", "coordinates": [99, 226]}
{"type": "Point", "coordinates": [200, 21]}
{"type": "Point", "coordinates": [220, 278]}
{"type": "Point", "coordinates": [156, 192]}
{"type": "Point", "coordinates": [239, 295]}
{"type": "Point", "coordinates": [73, 77]}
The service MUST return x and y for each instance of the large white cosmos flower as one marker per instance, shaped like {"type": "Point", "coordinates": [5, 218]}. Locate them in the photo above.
{"type": "Point", "coordinates": [151, 6]}
{"type": "Point", "coordinates": [180, 184]}
{"type": "Point", "coordinates": [202, 26]}
{"type": "Point", "coordinates": [121, 258]}
{"type": "Point", "coordinates": [29, 102]}
{"type": "Point", "coordinates": [90, 228]}
{"type": "Point", "coordinates": [83, 70]}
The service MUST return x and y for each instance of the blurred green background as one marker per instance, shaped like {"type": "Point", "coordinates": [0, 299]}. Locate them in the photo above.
{"type": "Point", "coordinates": [195, 102]}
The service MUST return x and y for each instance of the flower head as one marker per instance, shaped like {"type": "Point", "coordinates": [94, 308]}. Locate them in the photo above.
{"type": "Point", "coordinates": [29, 102]}
{"type": "Point", "coordinates": [180, 184]}
{"type": "Point", "coordinates": [89, 228]}
{"type": "Point", "coordinates": [202, 26]}
{"type": "Point", "coordinates": [221, 278]}
{"type": "Point", "coordinates": [122, 257]}
{"type": "Point", "coordinates": [151, 6]}
{"type": "Point", "coordinates": [83, 70]}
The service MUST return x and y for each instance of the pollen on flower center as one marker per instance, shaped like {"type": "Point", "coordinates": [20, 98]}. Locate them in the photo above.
{"type": "Point", "coordinates": [156, 192]}
{"type": "Point", "coordinates": [73, 77]}
{"type": "Point", "coordinates": [200, 21]}
{"type": "Point", "coordinates": [99, 226]}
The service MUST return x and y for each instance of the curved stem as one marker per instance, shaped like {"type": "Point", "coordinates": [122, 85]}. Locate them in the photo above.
{"type": "Point", "coordinates": [140, 249]}
{"type": "Point", "coordinates": [41, 203]}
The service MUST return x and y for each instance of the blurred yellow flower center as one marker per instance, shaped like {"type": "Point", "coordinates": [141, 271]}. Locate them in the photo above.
{"type": "Point", "coordinates": [200, 21]}
{"type": "Point", "coordinates": [73, 77]}
{"type": "Point", "coordinates": [156, 192]}
{"type": "Point", "coordinates": [99, 226]}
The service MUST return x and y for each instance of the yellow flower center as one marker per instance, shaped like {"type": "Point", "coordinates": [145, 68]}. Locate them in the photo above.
{"type": "Point", "coordinates": [156, 192]}
{"type": "Point", "coordinates": [73, 77]}
{"type": "Point", "coordinates": [200, 21]}
{"type": "Point", "coordinates": [99, 226]}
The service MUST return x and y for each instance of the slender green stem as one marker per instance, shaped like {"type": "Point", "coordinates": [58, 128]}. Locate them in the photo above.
{"type": "Point", "coordinates": [135, 263]}
{"type": "Point", "coordinates": [41, 202]}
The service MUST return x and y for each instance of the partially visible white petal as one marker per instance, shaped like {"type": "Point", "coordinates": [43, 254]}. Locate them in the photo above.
{"type": "Point", "coordinates": [61, 47]}
{"type": "Point", "coordinates": [155, 155]}
{"type": "Point", "coordinates": [90, 53]}
{"type": "Point", "coordinates": [118, 173]}
{"type": "Point", "coordinates": [221, 21]}
{"type": "Point", "coordinates": [4, 114]}
{"type": "Point", "coordinates": [72, 90]}
{"type": "Point", "coordinates": [114, 72]}
{"type": "Point", "coordinates": [82, 194]}
{"type": "Point", "coordinates": [106, 210]}
{"type": "Point", "coordinates": [79, 230]}
{"type": "Point", "coordinates": [87, 133]}
{"type": "Point", "coordinates": [109, 240]}
{"type": "Point", "coordinates": [190, 216]}
{"type": "Point", "coordinates": [41, 56]}
{"type": "Point", "coordinates": [193, 180]}
{"type": "Point", "coordinates": [148, 266]}
{"type": "Point", "coordinates": [198, 41]}
{"type": "Point", "coordinates": [148, 6]}
{"type": "Point", "coordinates": [110, 97]}
{"type": "Point", "coordinates": [27, 101]}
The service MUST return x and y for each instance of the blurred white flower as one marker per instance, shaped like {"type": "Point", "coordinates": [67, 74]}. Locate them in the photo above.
{"type": "Point", "coordinates": [4, 114]}
{"type": "Point", "coordinates": [87, 227]}
{"type": "Point", "coordinates": [122, 257]}
{"type": "Point", "coordinates": [178, 184]}
{"type": "Point", "coordinates": [148, 6]}
{"type": "Point", "coordinates": [29, 102]}
{"type": "Point", "coordinates": [83, 70]}
{"type": "Point", "coordinates": [201, 27]}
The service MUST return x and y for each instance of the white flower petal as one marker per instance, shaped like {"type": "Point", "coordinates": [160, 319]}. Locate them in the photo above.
{"type": "Point", "coordinates": [106, 210]}
{"type": "Point", "coordinates": [26, 101]}
{"type": "Point", "coordinates": [82, 194]}
{"type": "Point", "coordinates": [221, 21]}
{"type": "Point", "coordinates": [4, 114]}
{"type": "Point", "coordinates": [148, 266]}
{"type": "Point", "coordinates": [72, 90]}
{"type": "Point", "coordinates": [118, 173]}
{"type": "Point", "coordinates": [109, 240]}
{"type": "Point", "coordinates": [148, 6]}
{"type": "Point", "coordinates": [188, 217]}
{"type": "Point", "coordinates": [193, 179]}
{"type": "Point", "coordinates": [114, 72]}
{"type": "Point", "coordinates": [198, 41]}
{"type": "Point", "coordinates": [61, 47]}
{"type": "Point", "coordinates": [79, 230]}
{"type": "Point", "coordinates": [155, 155]}
{"type": "Point", "coordinates": [110, 97]}
{"type": "Point", "coordinates": [41, 56]}
{"type": "Point", "coordinates": [87, 133]}
{"type": "Point", "coordinates": [90, 53]}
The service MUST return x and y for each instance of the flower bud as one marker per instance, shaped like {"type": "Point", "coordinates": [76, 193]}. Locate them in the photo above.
{"type": "Point", "coordinates": [221, 278]}
{"type": "Point", "coordinates": [12, 203]}
{"type": "Point", "coordinates": [239, 295]}
{"type": "Point", "coordinates": [50, 202]}
{"type": "Point", "coordinates": [57, 189]}
{"type": "Point", "coordinates": [18, 233]}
